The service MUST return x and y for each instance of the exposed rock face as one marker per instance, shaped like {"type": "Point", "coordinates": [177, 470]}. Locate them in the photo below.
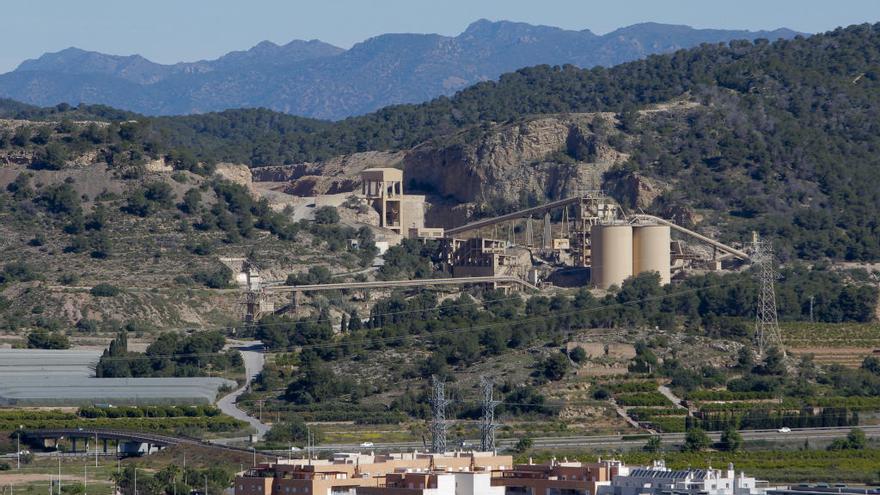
{"type": "Point", "coordinates": [237, 173]}
{"type": "Point", "coordinates": [635, 190]}
{"type": "Point", "coordinates": [336, 175]}
{"type": "Point", "coordinates": [158, 166]}
{"type": "Point", "coordinates": [548, 157]}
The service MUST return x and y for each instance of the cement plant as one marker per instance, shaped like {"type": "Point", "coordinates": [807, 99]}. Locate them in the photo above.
{"type": "Point", "coordinates": [517, 260]}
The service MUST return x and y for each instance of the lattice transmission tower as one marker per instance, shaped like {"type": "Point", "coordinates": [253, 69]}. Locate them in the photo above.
{"type": "Point", "coordinates": [438, 415]}
{"type": "Point", "coordinates": [767, 332]}
{"type": "Point", "coordinates": [487, 421]}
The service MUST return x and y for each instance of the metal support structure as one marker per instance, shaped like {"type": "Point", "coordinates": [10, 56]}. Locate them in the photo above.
{"type": "Point", "coordinates": [548, 232]}
{"type": "Point", "coordinates": [767, 332]}
{"type": "Point", "coordinates": [565, 227]}
{"type": "Point", "coordinates": [487, 421]}
{"type": "Point", "coordinates": [529, 232]}
{"type": "Point", "coordinates": [439, 426]}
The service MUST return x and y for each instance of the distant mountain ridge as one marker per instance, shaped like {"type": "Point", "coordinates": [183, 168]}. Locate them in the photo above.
{"type": "Point", "coordinates": [316, 79]}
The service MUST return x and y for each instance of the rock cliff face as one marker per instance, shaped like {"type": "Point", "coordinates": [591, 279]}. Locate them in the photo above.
{"type": "Point", "coordinates": [336, 175]}
{"type": "Point", "coordinates": [548, 157]}
{"type": "Point", "coordinates": [489, 168]}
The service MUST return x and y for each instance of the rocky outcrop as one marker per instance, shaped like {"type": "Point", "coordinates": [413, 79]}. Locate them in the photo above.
{"type": "Point", "coordinates": [548, 157]}
{"type": "Point", "coordinates": [237, 173]}
{"type": "Point", "coordinates": [158, 166]}
{"type": "Point", "coordinates": [634, 190]}
{"type": "Point", "coordinates": [336, 175]}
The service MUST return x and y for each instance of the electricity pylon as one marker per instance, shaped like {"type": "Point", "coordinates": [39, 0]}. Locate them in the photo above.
{"type": "Point", "coordinates": [487, 421]}
{"type": "Point", "coordinates": [767, 332]}
{"type": "Point", "coordinates": [438, 416]}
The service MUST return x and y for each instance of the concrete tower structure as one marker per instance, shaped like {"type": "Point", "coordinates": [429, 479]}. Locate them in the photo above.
{"type": "Point", "coordinates": [651, 250]}
{"type": "Point", "coordinates": [612, 254]}
{"type": "Point", "coordinates": [398, 212]}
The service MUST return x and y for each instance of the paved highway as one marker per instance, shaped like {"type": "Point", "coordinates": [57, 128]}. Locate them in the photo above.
{"type": "Point", "coordinates": [627, 441]}
{"type": "Point", "coordinates": [252, 354]}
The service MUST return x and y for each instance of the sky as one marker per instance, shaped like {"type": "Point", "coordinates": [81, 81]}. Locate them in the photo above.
{"type": "Point", "coordinates": [169, 31]}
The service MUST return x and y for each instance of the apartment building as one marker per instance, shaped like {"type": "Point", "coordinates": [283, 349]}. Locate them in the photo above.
{"type": "Point", "coordinates": [557, 478]}
{"type": "Point", "coordinates": [660, 480]}
{"type": "Point", "coordinates": [345, 473]}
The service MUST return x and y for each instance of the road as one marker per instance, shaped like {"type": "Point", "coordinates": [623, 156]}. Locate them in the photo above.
{"type": "Point", "coordinates": [381, 284]}
{"type": "Point", "coordinates": [254, 359]}
{"type": "Point", "coordinates": [627, 441]}
{"type": "Point", "coordinates": [671, 396]}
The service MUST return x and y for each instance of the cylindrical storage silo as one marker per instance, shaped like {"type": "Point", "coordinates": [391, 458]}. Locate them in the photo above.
{"type": "Point", "coordinates": [651, 250]}
{"type": "Point", "coordinates": [611, 255]}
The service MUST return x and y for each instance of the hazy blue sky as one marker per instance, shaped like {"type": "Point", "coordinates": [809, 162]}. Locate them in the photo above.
{"type": "Point", "coordinates": [169, 31]}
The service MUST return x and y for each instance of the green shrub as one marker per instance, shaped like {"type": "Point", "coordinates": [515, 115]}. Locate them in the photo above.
{"type": "Point", "coordinates": [41, 339]}
{"type": "Point", "coordinates": [104, 290]}
{"type": "Point", "coordinates": [643, 399]}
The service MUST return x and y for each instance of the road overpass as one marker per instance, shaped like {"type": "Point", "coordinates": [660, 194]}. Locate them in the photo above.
{"type": "Point", "coordinates": [128, 442]}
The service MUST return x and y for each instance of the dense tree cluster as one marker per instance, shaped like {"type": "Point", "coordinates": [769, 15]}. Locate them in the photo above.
{"type": "Point", "coordinates": [460, 331]}
{"type": "Point", "coordinates": [172, 354]}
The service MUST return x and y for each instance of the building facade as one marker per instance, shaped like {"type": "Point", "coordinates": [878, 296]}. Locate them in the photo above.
{"type": "Point", "coordinates": [659, 480]}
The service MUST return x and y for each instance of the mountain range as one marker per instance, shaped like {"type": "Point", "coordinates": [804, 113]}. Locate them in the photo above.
{"type": "Point", "coordinates": [316, 79]}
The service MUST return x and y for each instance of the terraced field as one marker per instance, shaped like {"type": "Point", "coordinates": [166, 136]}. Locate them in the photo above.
{"type": "Point", "coordinates": [832, 343]}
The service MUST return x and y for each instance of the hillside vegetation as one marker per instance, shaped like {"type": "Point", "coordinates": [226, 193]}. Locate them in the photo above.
{"type": "Point", "coordinates": [101, 229]}
{"type": "Point", "coordinates": [782, 139]}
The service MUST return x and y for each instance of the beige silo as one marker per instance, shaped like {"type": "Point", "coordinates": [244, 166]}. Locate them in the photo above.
{"type": "Point", "coordinates": [651, 250]}
{"type": "Point", "coordinates": [611, 255]}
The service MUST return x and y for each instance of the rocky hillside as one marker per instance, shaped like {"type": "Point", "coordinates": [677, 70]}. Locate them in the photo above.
{"type": "Point", "coordinates": [775, 137]}
{"type": "Point", "coordinates": [98, 231]}
{"type": "Point", "coordinates": [314, 79]}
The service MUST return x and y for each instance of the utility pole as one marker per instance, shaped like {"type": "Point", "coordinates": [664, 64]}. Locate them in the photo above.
{"type": "Point", "coordinates": [438, 416]}
{"type": "Point", "coordinates": [96, 448]}
{"type": "Point", "coordinates": [487, 421]}
{"type": "Point", "coordinates": [206, 484]}
{"type": "Point", "coordinates": [812, 298]}
{"type": "Point", "coordinates": [767, 332]}
{"type": "Point", "coordinates": [309, 444]}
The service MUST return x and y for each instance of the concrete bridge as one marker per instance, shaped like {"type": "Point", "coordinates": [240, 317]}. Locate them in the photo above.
{"type": "Point", "coordinates": [124, 442]}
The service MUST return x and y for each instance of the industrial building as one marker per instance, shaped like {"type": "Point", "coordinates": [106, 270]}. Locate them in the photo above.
{"type": "Point", "coordinates": [587, 239]}
{"type": "Point", "coordinates": [398, 212]}
{"type": "Point", "coordinates": [590, 231]}
{"type": "Point", "coordinates": [620, 250]}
